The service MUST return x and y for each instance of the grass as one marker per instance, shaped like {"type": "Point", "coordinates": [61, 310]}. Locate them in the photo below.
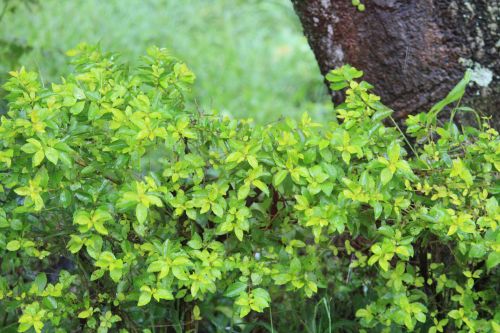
{"type": "Point", "coordinates": [250, 56]}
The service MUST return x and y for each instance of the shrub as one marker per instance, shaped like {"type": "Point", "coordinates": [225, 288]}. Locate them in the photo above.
{"type": "Point", "coordinates": [122, 210]}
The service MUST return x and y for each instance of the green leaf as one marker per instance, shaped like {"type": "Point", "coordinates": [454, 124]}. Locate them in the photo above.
{"type": "Point", "coordinates": [163, 294]}
{"type": "Point", "coordinates": [85, 313]}
{"type": "Point", "coordinates": [381, 114]}
{"type": "Point", "coordinates": [346, 156]}
{"type": "Point", "coordinates": [32, 146]}
{"type": "Point", "coordinates": [235, 289]}
{"type": "Point", "coordinates": [260, 299]}
{"type": "Point", "coordinates": [40, 281]}
{"type": "Point", "coordinates": [279, 177]}
{"type": "Point", "coordinates": [234, 157]}
{"type": "Point", "coordinates": [195, 242]}
{"type": "Point", "coordinates": [156, 266]}
{"type": "Point", "coordinates": [144, 299]}
{"type": "Point", "coordinates": [260, 185]}
{"type": "Point", "coordinates": [94, 112]}
{"type": "Point", "coordinates": [252, 161]}
{"type": "Point", "coordinates": [394, 152]}
{"type": "Point", "coordinates": [97, 274]}
{"type": "Point", "coordinates": [141, 212]}
{"type": "Point", "coordinates": [385, 176]}
{"type": "Point", "coordinates": [180, 273]}
{"type": "Point", "coordinates": [217, 209]}
{"type": "Point", "coordinates": [65, 198]}
{"type": "Point", "coordinates": [454, 95]}
{"type": "Point", "coordinates": [13, 245]}
{"type": "Point", "coordinates": [77, 108]}
{"type": "Point", "coordinates": [75, 244]}
{"type": "Point", "coordinates": [38, 158]}
{"type": "Point", "coordinates": [239, 233]}
{"type": "Point", "coordinates": [493, 260]}
{"type": "Point", "coordinates": [477, 251]}
{"type": "Point", "coordinates": [243, 191]}
{"type": "Point", "coordinates": [99, 227]}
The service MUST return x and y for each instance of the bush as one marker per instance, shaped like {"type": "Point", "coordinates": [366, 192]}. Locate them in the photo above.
{"type": "Point", "coordinates": [125, 210]}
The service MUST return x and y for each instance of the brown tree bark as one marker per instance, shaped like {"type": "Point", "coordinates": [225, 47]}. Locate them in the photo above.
{"type": "Point", "coordinates": [413, 51]}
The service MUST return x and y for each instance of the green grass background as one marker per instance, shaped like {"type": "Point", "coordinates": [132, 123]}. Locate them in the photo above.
{"type": "Point", "coordinates": [250, 56]}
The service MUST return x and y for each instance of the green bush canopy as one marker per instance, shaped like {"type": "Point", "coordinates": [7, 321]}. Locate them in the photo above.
{"type": "Point", "coordinates": [123, 211]}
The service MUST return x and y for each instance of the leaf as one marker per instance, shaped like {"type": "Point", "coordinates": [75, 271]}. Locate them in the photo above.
{"type": "Point", "coordinates": [454, 95]}
{"type": "Point", "coordinates": [239, 233]}
{"type": "Point", "coordinates": [455, 314]}
{"type": "Point", "coordinates": [31, 147]}
{"type": "Point", "coordinates": [195, 242]}
{"type": "Point", "coordinates": [75, 244]}
{"type": "Point", "coordinates": [279, 177]}
{"type": "Point", "coordinates": [82, 218]}
{"type": "Point", "coordinates": [243, 191]}
{"type": "Point", "coordinates": [180, 273]}
{"type": "Point", "coordinates": [217, 209]}
{"type": "Point", "coordinates": [252, 161]}
{"type": "Point", "coordinates": [234, 157]}
{"type": "Point", "coordinates": [86, 313]}
{"type": "Point", "coordinates": [453, 229]}
{"type": "Point", "coordinates": [386, 176]}
{"type": "Point", "coordinates": [263, 187]}
{"type": "Point", "coordinates": [244, 310]}
{"type": "Point", "coordinates": [94, 112]}
{"type": "Point", "coordinates": [363, 313]}
{"type": "Point", "coordinates": [38, 158]}
{"type": "Point", "coordinates": [13, 245]}
{"type": "Point", "coordinates": [260, 299]}
{"type": "Point", "coordinates": [384, 264]}
{"type": "Point", "coordinates": [393, 152]}
{"type": "Point", "coordinates": [141, 212]}
{"type": "Point", "coordinates": [402, 250]}
{"type": "Point", "coordinates": [99, 227]}
{"type": "Point", "coordinates": [156, 266]}
{"type": "Point", "coordinates": [115, 274]}
{"type": "Point", "coordinates": [235, 289]}
{"type": "Point", "coordinates": [65, 198]}
{"type": "Point", "coordinates": [181, 261]}
{"type": "Point", "coordinates": [163, 294]}
{"type": "Point", "coordinates": [77, 108]}
{"type": "Point", "coordinates": [346, 156]}
{"type": "Point", "coordinates": [97, 274]}
{"type": "Point", "coordinates": [196, 313]}
{"type": "Point", "coordinates": [377, 209]}
{"type": "Point", "coordinates": [144, 299]}
{"type": "Point", "coordinates": [381, 114]}
{"type": "Point", "coordinates": [493, 260]}
{"type": "Point", "coordinates": [477, 251]}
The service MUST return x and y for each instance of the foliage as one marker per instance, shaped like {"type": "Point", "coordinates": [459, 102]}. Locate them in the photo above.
{"type": "Point", "coordinates": [360, 6]}
{"type": "Point", "coordinates": [250, 57]}
{"type": "Point", "coordinates": [127, 210]}
{"type": "Point", "coordinates": [11, 49]}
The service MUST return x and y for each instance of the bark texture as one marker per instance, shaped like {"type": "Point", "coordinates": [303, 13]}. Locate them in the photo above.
{"type": "Point", "coordinates": [413, 51]}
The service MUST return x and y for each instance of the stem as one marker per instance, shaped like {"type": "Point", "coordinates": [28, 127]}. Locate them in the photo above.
{"type": "Point", "coordinates": [408, 143]}
{"type": "Point", "coordinates": [111, 179]}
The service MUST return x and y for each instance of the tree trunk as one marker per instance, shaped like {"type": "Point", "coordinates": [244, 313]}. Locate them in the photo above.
{"type": "Point", "coordinates": [413, 51]}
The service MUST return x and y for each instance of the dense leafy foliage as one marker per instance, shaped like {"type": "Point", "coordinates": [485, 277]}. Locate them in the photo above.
{"type": "Point", "coordinates": [260, 63]}
{"type": "Point", "coordinates": [123, 209]}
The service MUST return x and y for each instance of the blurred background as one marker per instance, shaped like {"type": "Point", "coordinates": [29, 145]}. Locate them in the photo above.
{"type": "Point", "coordinates": [250, 56]}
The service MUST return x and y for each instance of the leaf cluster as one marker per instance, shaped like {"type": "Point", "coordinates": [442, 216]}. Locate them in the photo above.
{"type": "Point", "coordinates": [118, 202]}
